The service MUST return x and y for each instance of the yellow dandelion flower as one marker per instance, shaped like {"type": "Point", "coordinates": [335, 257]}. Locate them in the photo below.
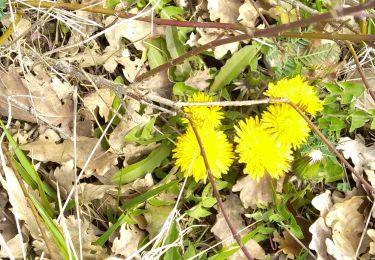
{"type": "Point", "coordinates": [218, 150]}
{"type": "Point", "coordinates": [286, 125]}
{"type": "Point", "coordinates": [203, 115]}
{"type": "Point", "coordinates": [298, 92]}
{"type": "Point", "coordinates": [260, 151]}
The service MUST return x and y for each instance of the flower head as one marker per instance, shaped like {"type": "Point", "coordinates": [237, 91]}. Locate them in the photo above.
{"type": "Point", "coordinates": [218, 150]}
{"type": "Point", "coordinates": [286, 125]}
{"type": "Point", "coordinates": [203, 115]}
{"type": "Point", "coordinates": [298, 92]}
{"type": "Point", "coordinates": [260, 151]}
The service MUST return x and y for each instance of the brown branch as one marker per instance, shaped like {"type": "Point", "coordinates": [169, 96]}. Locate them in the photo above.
{"type": "Point", "coordinates": [31, 204]}
{"type": "Point", "coordinates": [273, 31]}
{"type": "Point", "coordinates": [329, 36]}
{"type": "Point", "coordinates": [216, 192]}
{"type": "Point", "coordinates": [360, 71]}
{"type": "Point", "coordinates": [126, 15]}
{"type": "Point", "coordinates": [332, 148]}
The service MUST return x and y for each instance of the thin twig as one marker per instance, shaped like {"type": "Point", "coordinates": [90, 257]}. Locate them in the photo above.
{"type": "Point", "coordinates": [360, 71]}
{"type": "Point", "coordinates": [126, 15]}
{"type": "Point", "coordinates": [31, 204]}
{"type": "Point", "coordinates": [216, 192]}
{"type": "Point", "coordinates": [268, 32]}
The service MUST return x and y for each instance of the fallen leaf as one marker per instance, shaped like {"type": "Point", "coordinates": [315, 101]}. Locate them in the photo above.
{"type": "Point", "coordinates": [199, 80]}
{"type": "Point", "coordinates": [127, 242]}
{"type": "Point", "coordinates": [347, 225]}
{"type": "Point", "coordinates": [45, 150]}
{"type": "Point", "coordinates": [32, 94]}
{"type": "Point", "coordinates": [247, 14]}
{"type": "Point", "coordinates": [89, 192]}
{"type": "Point", "coordinates": [155, 217]}
{"type": "Point", "coordinates": [101, 99]}
{"type": "Point", "coordinates": [371, 234]}
{"type": "Point", "coordinates": [220, 229]}
{"type": "Point", "coordinates": [228, 14]}
{"type": "Point", "coordinates": [65, 177]}
{"type": "Point", "coordinates": [320, 233]}
{"type": "Point", "coordinates": [253, 193]}
{"type": "Point", "coordinates": [15, 248]}
{"type": "Point", "coordinates": [287, 244]}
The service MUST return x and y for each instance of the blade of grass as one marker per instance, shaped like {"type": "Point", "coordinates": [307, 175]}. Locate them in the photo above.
{"type": "Point", "coordinates": [29, 169]}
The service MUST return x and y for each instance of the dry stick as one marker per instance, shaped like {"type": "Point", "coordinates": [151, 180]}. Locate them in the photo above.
{"type": "Point", "coordinates": [32, 207]}
{"type": "Point", "coordinates": [126, 15]}
{"type": "Point", "coordinates": [360, 71]}
{"type": "Point", "coordinates": [216, 192]}
{"type": "Point", "coordinates": [332, 148]}
{"type": "Point", "coordinates": [273, 31]}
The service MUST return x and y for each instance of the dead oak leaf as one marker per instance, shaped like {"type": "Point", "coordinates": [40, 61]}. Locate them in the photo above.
{"type": "Point", "coordinates": [48, 151]}
{"type": "Point", "coordinates": [228, 14]}
{"type": "Point", "coordinates": [253, 193]}
{"type": "Point", "coordinates": [127, 241]}
{"type": "Point", "coordinates": [101, 99]}
{"type": "Point", "coordinates": [33, 99]}
{"type": "Point", "coordinates": [287, 244]}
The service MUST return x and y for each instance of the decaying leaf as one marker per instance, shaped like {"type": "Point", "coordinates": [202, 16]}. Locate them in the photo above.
{"type": "Point", "coordinates": [362, 157]}
{"type": "Point", "coordinates": [234, 211]}
{"type": "Point", "coordinates": [15, 248]}
{"type": "Point", "coordinates": [253, 193]}
{"type": "Point", "coordinates": [45, 150]}
{"type": "Point", "coordinates": [101, 99]}
{"type": "Point", "coordinates": [247, 14]}
{"type": "Point", "coordinates": [336, 233]}
{"type": "Point", "coordinates": [371, 234]}
{"type": "Point", "coordinates": [228, 14]}
{"type": "Point", "coordinates": [89, 192]}
{"type": "Point", "coordinates": [287, 244]}
{"type": "Point", "coordinates": [127, 242]}
{"type": "Point", "coordinates": [155, 217]}
{"type": "Point", "coordinates": [33, 94]}
{"type": "Point", "coordinates": [65, 177]}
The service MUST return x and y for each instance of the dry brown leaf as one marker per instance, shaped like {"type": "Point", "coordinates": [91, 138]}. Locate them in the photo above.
{"type": "Point", "coordinates": [89, 192]}
{"type": "Point", "coordinates": [30, 94]}
{"type": "Point", "coordinates": [19, 203]}
{"type": "Point", "coordinates": [48, 151]}
{"type": "Point", "coordinates": [287, 244]}
{"type": "Point", "coordinates": [247, 14]}
{"type": "Point", "coordinates": [234, 210]}
{"type": "Point", "coordinates": [253, 193]}
{"type": "Point", "coordinates": [320, 233]}
{"type": "Point", "coordinates": [226, 11]}
{"type": "Point", "coordinates": [65, 177]}
{"type": "Point", "coordinates": [362, 157]}
{"type": "Point", "coordinates": [127, 242]}
{"type": "Point", "coordinates": [200, 80]}
{"type": "Point", "coordinates": [371, 234]}
{"type": "Point", "coordinates": [101, 99]}
{"type": "Point", "coordinates": [347, 225]}
{"type": "Point", "coordinates": [15, 248]}
{"type": "Point", "coordinates": [204, 36]}
{"type": "Point", "coordinates": [133, 30]}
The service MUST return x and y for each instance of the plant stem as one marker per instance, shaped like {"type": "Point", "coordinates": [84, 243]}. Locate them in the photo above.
{"type": "Point", "coordinates": [216, 192]}
{"type": "Point", "coordinates": [267, 32]}
{"type": "Point", "coordinates": [360, 71]}
{"type": "Point", "coordinates": [329, 36]}
{"type": "Point", "coordinates": [126, 15]}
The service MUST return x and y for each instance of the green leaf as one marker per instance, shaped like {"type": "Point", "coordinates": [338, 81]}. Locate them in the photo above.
{"type": "Point", "coordinates": [176, 48]}
{"type": "Point", "coordinates": [358, 119]}
{"type": "Point", "coordinates": [234, 66]}
{"type": "Point", "coordinates": [181, 89]}
{"type": "Point", "coordinates": [169, 12]}
{"type": "Point", "coordinates": [172, 253]}
{"type": "Point", "coordinates": [350, 90]}
{"type": "Point", "coordinates": [332, 169]}
{"type": "Point", "coordinates": [198, 212]}
{"type": "Point", "coordinates": [141, 168]}
{"type": "Point", "coordinates": [157, 53]}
